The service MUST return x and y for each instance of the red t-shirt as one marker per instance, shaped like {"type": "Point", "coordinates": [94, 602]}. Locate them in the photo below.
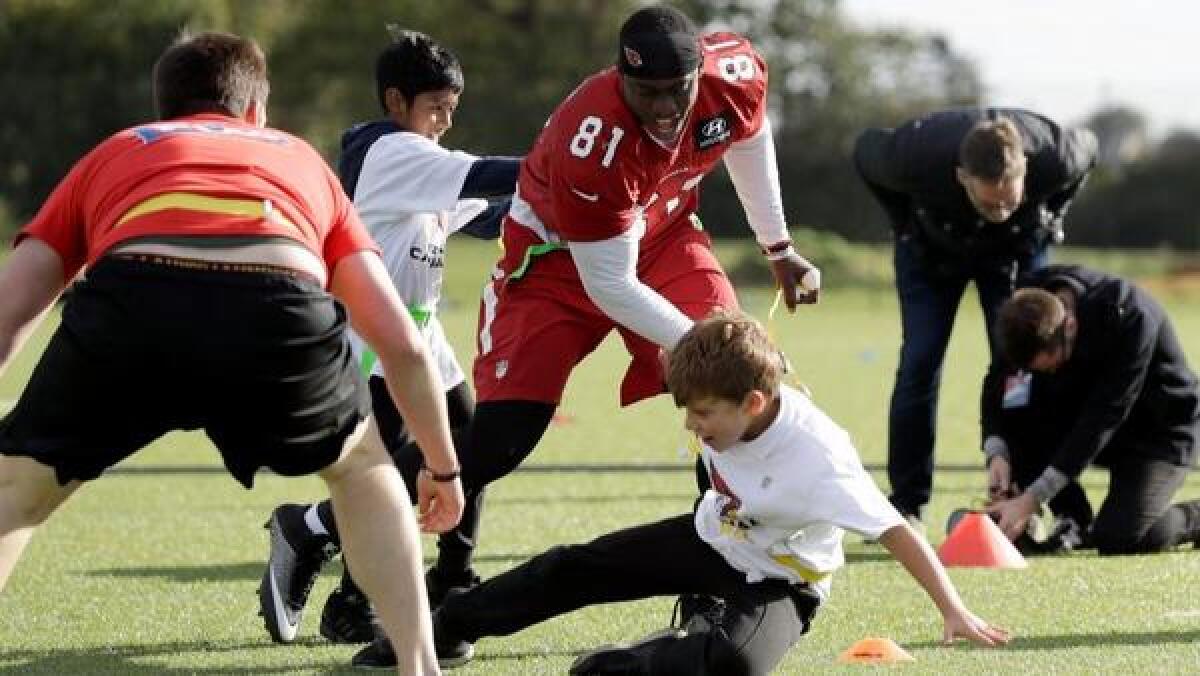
{"type": "Point", "coordinates": [210, 155]}
{"type": "Point", "coordinates": [593, 170]}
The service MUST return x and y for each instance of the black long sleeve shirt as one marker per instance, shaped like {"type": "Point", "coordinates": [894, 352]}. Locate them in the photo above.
{"type": "Point", "coordinates": [911, 172]}
{"type": "Point", "coordinates": [1126, 388]}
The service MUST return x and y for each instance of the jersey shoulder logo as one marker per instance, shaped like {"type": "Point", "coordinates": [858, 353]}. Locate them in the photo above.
{"type": "Point", "coordinates": [711, 131]}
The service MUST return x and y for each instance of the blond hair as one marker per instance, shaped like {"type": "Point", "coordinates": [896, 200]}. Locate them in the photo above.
{"type": "Point", "coordinates": [992, 150]}
{"type": "Point", "coordinates": [726, 356]}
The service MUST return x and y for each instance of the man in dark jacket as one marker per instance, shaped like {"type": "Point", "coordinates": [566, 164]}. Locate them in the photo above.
{"type": "Point", "coordinates": [972, 195]}
{"type": "Point", "coordinates": [1102, 380]}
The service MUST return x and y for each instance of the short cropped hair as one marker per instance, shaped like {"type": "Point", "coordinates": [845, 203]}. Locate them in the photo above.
{"type": "Point", "coordinates": [1029, 323]}
{"type": "Point", "coordinates": [415, 64]}
{"type": "Point", "coordinates": [210, 73]}
{"type": "Point", "coordinates": [725, 356]}
{"type": "Point", "coordinates": [992, 150]}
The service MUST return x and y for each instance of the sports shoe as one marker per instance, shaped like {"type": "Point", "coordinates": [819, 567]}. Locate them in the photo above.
{"type": "Point", "coordinates": [292, 567]}
{"type": "Point", "coordinates": [695, 613]}
{"type": "Point", "coordinates": [1067, 536]}
{"type": "Point", "coordinates": [451, 651]}
{"type": "Point", "coordinates": [438, 584]}
{"type": "Point", "coordinates": [631, 659]}
{"type": "Point", "coordinates": [348, 617]}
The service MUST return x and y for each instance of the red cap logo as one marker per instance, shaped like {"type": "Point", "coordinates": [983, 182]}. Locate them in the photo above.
{"type": "Point", "coordinates": [632, 57]}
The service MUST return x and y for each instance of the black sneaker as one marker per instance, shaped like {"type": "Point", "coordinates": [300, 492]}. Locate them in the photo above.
{"type": "Point", "coordinates": [348, 618]}
{"type": "Point", "coordinates": [292, 567]}
{"type": "Point", "coordinates": [438, 584]}
{"type": "Point", "coordinates": [630, 659]}
{"type": "Point", "coordinates": [452, 651]}
{"type": "Point", "coordinates": [377, 655]}
{"type": "Point", "coordinates": [380, 655]}
{"type": "Point", "coordinates": [695, 613]}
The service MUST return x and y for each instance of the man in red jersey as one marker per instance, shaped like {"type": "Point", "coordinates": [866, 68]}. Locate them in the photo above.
{"type": "Point", "coordinates": [602, 235]}
{"type": "Point", "coordinates": [207, 244]}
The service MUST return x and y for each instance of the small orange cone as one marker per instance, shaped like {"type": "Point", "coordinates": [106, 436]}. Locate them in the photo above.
{"type": "Point", "coordinates": [872, 650]}
{"type": "Point", "coordinates": [977, 541]}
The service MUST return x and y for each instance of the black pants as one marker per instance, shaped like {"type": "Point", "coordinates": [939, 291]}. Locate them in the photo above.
{"type": "Point", "coordinates": [501, 435]}
{"type": "Point", "coordinates": [929, 295]}
{"type": "Point", "coordinates": [760, 623]}
{"type": "Point", "coordinates": [1137, 515]}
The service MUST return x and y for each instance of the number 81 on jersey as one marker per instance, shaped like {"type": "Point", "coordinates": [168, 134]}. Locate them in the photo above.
{"type": "Point", "coordinates": [585, 140]}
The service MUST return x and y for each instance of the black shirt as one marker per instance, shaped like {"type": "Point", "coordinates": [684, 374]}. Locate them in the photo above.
{"type": "Point", "coordinates": [1126, 388]}
{"type": "Point", "coordinates": [911, 172]}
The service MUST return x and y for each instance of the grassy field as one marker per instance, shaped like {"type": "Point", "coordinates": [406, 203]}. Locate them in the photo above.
{"type": "Point", "coordinates": [153, 568]}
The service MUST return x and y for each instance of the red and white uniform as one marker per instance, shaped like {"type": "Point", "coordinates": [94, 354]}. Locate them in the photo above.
{"type": "Point", "coordinates": [592, 175]}
{"type": "Point", "coordinates": [207, 155]}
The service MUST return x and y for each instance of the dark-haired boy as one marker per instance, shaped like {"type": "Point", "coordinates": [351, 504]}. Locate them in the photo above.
{"type": "Point", "coordinates": [411, 194]}
{"type": "Point", "coordinates": [1097, 376]}
{"type": "Point", "coordinates": [761, 546]}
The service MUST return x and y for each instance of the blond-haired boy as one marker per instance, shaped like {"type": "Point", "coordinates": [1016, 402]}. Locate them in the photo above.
{"type": "Point", "coordinates": [759, 550]}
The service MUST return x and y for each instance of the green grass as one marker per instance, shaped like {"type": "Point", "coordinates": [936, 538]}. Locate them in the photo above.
{"type": "Point", "coordinates": [154, 568]}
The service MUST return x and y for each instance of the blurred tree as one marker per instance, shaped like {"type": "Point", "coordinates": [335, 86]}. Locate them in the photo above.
{"type": "Point", "coordinates": [1153, 203]}
{"type": "Point", "coordinates": [520, 58]}
{"type": "Point", "coordinates": [1122, 134]}
{"type": "Point", "coordinates": [831, 79]}
{"type": "Point", "coordinates": [75, 71]}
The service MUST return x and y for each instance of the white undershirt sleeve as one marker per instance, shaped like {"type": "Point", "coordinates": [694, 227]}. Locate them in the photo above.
{"type": "Point", "coordinates": [755, 176]}
{"type": "Point", "coordinates": [608, 270]}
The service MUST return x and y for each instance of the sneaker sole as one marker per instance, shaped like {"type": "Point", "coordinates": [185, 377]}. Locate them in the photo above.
{"type": "Point", "coordinates": [270, 603]}
{"type": "Point", "coordinates": [458, 660]}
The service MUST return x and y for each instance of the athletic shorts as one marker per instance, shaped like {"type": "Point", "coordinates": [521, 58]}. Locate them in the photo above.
{"type": "Point", "coordinates": [255, 356]}
{"type": "Point", "coordinates": [534, 328]}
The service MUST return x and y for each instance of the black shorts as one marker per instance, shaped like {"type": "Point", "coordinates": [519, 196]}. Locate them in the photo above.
{"type": "Point", "coordinates": [257, 359]}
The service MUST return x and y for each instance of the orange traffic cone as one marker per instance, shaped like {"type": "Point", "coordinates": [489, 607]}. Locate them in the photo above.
{"type": "Point", "coordinates": [875, 651]}
{"type": "Point", "coordinates": [977, 541]}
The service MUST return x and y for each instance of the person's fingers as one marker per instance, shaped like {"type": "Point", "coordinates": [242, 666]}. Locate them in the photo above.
{"type": "Point", "coordinates": [789, 296]}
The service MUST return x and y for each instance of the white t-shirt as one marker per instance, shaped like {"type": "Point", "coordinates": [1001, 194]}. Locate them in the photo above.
{"type": "Point", "coordinates": [779, 504]}
{"type": "Point", "coordinates": [407, 195]}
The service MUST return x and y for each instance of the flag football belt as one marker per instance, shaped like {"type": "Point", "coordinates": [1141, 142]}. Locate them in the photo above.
{"type": "Point", "coordinates": [201, 264]}
{"type": "Point", "coordinates": [421, 317]}
{"type": "Point", "coordinates": [261, 208]}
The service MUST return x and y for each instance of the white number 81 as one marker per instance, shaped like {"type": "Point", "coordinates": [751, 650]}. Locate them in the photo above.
{"type": "Point", "coordinates": [737, 67]}
{"type": "Point", "coordinates": [585, 139]}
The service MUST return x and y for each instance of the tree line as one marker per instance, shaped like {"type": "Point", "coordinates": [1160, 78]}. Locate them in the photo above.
{"type": "Point", "coordinates": [74, 71]}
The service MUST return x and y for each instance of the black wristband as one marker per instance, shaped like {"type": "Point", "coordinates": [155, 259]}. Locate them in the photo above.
{"type": "Point", "coordinates": [443, 478]}
{"type": "Point", "coordinates": [778, 247]}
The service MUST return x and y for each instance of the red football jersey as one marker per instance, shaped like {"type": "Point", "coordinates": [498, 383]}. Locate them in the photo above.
{"type": "Point", "coordinates": [593, 170]}
{"type": "Point", "coordinates": [209, 155]}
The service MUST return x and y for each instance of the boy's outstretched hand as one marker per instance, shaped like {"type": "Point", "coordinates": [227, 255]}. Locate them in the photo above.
{"type": "Point", "coordinates": [965, 624]}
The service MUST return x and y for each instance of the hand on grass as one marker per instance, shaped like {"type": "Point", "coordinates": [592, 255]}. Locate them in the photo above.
{"type": "Point", "coordinates": [965, 624]}
{"type": "Point", "coordinates": [439, 503]}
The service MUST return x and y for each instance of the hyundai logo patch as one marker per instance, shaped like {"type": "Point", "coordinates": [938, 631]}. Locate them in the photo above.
{"type": "Point", "coordinates": [712, 131]}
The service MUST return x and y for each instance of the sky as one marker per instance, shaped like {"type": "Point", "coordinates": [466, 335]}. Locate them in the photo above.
{"type": "Point", "coordinates": [1068, 58]}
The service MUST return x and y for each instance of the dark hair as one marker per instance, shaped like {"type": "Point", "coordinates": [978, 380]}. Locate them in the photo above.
{"type": "Point", "coordinates": [725, 356]}
{"type": "Point", "coordinates": [1029, 323]}
{"type": "Point", "coordinates": [658, 43]}
{"type": "Point", "coordinates": [209, 72]}
{"type": "Point", "coordinates": [414, 64]}
{"type": "Point", "coordinates": [992, 150]}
